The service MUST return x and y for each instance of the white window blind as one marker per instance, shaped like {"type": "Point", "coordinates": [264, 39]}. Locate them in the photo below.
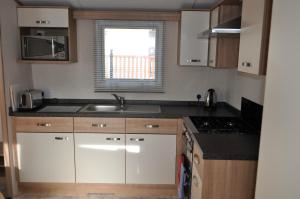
{"type": "Point", "coordinates": [129, 56]}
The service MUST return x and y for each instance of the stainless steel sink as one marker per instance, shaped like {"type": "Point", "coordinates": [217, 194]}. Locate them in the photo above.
{"type": "Point", "coordinates": [102, 108]}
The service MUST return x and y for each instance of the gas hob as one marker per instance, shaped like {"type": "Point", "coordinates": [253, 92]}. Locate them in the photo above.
{"type": "Point", "coordinates": [222, 125]}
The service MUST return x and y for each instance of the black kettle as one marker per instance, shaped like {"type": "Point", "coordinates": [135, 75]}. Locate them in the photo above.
{"type": "Point", "coordinates": [210, 99]}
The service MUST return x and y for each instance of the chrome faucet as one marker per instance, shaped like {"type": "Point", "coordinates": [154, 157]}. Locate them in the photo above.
{"type": "Point", "coordinates": [120, 100]}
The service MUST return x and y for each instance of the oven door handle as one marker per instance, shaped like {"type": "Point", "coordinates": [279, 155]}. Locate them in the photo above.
{"type": "Point", "coordinates": [52, 47]}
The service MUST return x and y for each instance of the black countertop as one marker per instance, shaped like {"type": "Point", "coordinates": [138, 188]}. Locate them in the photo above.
{"type": "Point", "coordinates": [169, 109]}
{"type": "Point", "coordinates": [225, 146]}
{"type": "Point", "coordinates": [228, 147]}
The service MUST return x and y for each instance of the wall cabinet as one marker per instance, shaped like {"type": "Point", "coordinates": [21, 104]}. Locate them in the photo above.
{"type": "Point", "coordinates": [150, 159]}
{"type": "Point", "coordinates": [254, 40]}
{"type": "Point", "coordinates": [52, 22]}
{"type": "Point", "coordinates": [193, 48]}
{"type": "Point", "coordinates": [43, 17]}
{"type": "Point", "coordinates": [100, 158]}
{"type": "Point", "coordinates": [224, 50]}
{"type": "Point", "coordinates": [46, 157]}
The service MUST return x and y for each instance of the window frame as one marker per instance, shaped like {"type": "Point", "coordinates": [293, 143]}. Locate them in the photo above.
{"type": "Point", "coordinates": [129, 85]}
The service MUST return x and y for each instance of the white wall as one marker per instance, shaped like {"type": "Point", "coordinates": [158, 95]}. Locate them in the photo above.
{"type": "Point", "coordinates": [76, 80]}
{"type": "Point", "coordinates": [279, 159]}
{"type": "Point", "coordinates": [241, 85]}
{"type": "Point", "coordinates": [17, 74]}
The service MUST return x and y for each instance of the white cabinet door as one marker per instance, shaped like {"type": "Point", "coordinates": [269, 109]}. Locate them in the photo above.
{"type": "Point", "coordinates": [46, 157]}
{"type": "Point", "coordinates": [251, 36]}
{"type": "Point", "coordinates": [193, 47]}
{"type": "Point", "coordinates": [100, 158]}
{"type": "Point", "coordinates": [43, 17]}
{"type": "Point", "coordinates": [150, 159]}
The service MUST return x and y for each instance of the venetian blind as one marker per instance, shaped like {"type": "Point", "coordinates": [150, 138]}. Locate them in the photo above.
{"type": "Point", "coordinates": [129, 56]}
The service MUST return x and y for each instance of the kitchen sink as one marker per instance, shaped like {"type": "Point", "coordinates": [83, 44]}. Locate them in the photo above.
{"type": "Point", "coordinates": [103, 108]}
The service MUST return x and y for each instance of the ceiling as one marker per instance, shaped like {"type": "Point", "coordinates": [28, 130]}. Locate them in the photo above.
{"type": "Point", "coordinates": [125, 4]}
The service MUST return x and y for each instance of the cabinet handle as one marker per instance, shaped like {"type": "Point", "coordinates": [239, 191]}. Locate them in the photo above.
{"type": "Point", "coordinates": [113, 139]}
{"type": "Point", "coordinates": [193, 60]}
{"type": "Point", "coordinates": [247, 64]}
{"type": "Point", "coordinates": [45, 22]}
{"type": "Point", "coordinates": [38, 21]}
{"type": "Point", "coordinates": [99, 125]}
{"type": "Point", "coordinates": [151, 126]}
{"type": "Point", "coordinates": [137, 139]}
{"type": "Point", "coordinates": [61, 138]}
{"type": "Point", "coordinates": [43, 124]}
{"type": "Point", "coordinates": [196, 159]}
{"type": "Point", "coordinates": [195, 181]}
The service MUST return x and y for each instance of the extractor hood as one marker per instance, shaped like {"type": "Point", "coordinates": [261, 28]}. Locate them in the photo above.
{"type": "Point", "coordinates": [230, 27]}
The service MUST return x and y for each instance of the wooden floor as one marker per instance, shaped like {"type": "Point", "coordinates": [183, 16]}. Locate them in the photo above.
{"type": "Point", "coordinates": [87, 196]}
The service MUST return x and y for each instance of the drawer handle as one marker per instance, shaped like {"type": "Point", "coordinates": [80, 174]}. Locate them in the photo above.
{"type": "Point", "coordinates": [61, 138]}
{"type": "Point", "coordinates": [196, 159]}
{"type": "Point", "coordinates": [44, 124]}
{"type": "Point", "coordinates": [151, 126]}
{"type": "Point", "coordinates": [99, 125]}
{"type": "Point", "coordinates": [38, 21]}
{"type": "Point", "coordinates": [195, 181]}
{"type": "Point", "coordinates": [113, 139]}
{"type": "Point", "coordinates": [137, 139]}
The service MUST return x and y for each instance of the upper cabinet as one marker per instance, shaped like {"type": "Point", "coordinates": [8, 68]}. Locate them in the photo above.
{"type": "Point", "coordinates": [193, 49]}
{"type": "Point", "coordinates": [47, 35]}
{"type": "Point", "coordinates": [43, 17]}
{"type": "Point", "coordinates": [254, 40]}
{"type": "Point", "coordinates": [224, 50]}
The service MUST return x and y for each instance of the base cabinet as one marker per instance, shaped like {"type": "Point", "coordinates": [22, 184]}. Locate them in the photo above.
{"type": "Point", "coordinates": [150, 159]}
{"type": "Point", "coordinates": [46, 157]}
{"type": "Point", "coordinates": [222, 179]}
{"type": "Point", "coordinates": [100, 158]}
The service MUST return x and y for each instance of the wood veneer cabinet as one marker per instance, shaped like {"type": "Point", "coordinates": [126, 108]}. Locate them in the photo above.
{"type": "Point", "coordinates": [222, 179]}
{"type": "Point", "coordinates": [224, 50]}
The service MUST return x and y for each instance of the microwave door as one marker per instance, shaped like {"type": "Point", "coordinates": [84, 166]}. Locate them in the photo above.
{"type": "Point", "coordinates": [37, 47]}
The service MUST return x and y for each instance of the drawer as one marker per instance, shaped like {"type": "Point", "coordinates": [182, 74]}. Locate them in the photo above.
{"type": "Point", "coordinates": [198, 159]}
{"type": "Point", "coordinates": [43, 17]}
{"type": "Point", "coordinates": [149, 125]}
{"type": "Point", "coordinates": [99, 125]}
{"type": "Point", "coordinates": [44, 124]}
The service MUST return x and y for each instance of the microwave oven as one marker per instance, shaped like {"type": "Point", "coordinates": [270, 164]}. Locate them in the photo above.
{"type": "Point", "coordinates": [45, 48]}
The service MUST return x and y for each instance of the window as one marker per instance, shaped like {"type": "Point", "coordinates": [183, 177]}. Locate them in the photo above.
{"type": "Point", "coordinates": [129, 56]}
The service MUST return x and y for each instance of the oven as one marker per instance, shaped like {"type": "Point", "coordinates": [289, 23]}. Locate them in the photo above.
{"type": "Point", "coordinates": [187, 164]}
